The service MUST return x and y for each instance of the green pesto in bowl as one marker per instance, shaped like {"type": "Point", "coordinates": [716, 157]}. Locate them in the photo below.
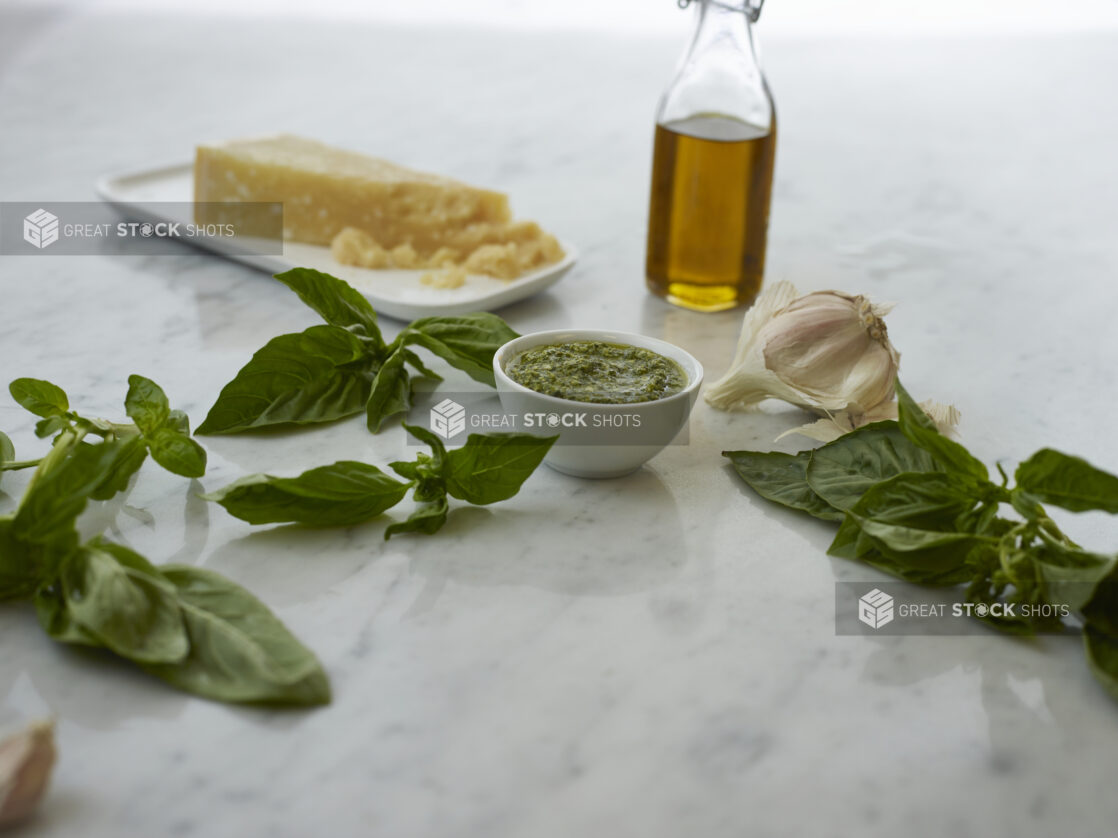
{"type": "Point", "coordinates": [597, 372]}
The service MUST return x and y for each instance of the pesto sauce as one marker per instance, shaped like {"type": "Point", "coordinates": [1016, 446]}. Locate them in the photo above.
{"type": "Point", "coordinates": [597, 372]}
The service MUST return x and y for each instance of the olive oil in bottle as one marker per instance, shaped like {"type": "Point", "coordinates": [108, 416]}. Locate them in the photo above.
{"type": "Point", "coordinates": [709, 211]}
{"type": "Point", "coordinates": [712, 167]}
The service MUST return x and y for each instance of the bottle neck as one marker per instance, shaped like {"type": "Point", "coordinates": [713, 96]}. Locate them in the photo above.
{"type": "Point", "coordinates": [723, 26]}
{"type": "Point", "coordinates": [720, 75]}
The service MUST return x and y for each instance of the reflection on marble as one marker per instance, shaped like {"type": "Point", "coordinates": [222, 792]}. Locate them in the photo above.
{"type": "Point", "coordinates": [653, 655]}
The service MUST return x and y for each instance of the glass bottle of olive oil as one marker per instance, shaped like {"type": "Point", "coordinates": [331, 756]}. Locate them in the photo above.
{"type": "Point", "coordinates": [712, 166]}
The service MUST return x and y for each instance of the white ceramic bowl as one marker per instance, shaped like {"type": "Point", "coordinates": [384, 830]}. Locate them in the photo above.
{"type": "Point", "coordinates": [611, 439]}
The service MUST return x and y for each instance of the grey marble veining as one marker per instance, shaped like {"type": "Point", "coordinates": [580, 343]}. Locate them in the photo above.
{"type": "Point", "coordinates": [649, 656]}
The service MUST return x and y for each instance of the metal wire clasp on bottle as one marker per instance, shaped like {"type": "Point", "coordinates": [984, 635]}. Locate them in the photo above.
{"type": "Point", "coordinates": [753, 11]}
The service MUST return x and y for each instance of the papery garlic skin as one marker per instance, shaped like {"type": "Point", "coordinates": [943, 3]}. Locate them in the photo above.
{"type": "Point", "coordinates": [748, 382]}
{"type": "Point", "coordinates": [26, 760]}
{"type": "Point", "coordinates": [830, 428]}
{"type": "Point", "coordinates": [826, 351]}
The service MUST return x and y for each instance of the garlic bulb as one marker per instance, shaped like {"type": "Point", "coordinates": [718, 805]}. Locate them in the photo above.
{"type": "Point", "coordinates": [825, 351]}
{"type": "Point", "coordinates": [26, 759]}
{"type": "Point", "coordinates": [828, 352]}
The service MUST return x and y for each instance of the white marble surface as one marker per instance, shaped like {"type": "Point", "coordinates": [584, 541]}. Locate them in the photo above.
{"type": "Point", "coordinates": [651, 656]}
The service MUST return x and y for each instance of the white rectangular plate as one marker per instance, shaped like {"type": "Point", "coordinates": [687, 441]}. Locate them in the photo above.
{"type": "Point", "coordinates": [396, 293]}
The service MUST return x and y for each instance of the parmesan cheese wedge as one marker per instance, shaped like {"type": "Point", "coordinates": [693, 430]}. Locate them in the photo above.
{"type": "Point", "coordinates": [373, 213]}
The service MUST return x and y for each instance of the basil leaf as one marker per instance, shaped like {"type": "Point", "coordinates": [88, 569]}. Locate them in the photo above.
{"type": "Point", "coordinates": [782, 478]}
{"type": "Point", "coordinates": [126, 463]}
{"type": "Point", "coordinates": [906, 526]}
{"type": "Point", "coordinates": [419, 366]}
{"type": "Point", "coordinates": [317, 375]}
{"type": "Point", "coordinates": [336, 300]}
{"type": "Point", "coordinates": [1100, 633]}
{"type": "Point", "coordinates": [391, 392]}
{"type": "Point", "coordinates": [919, 427]}
{"type": "Point", "coordinates": [1069, 574]}
{"type": "Point", "coordinates": [146, 404]}
{"type": "Point", "coordinates": [427, 519]}
{"type": "Point", "coordinates": [983, 519]}
{"type": "Point", "coordinates": [1102, 656]}
{"type": "Point", "coordinates": [931, 501]}
{"type": "Point", "coordinates": [54, 616]}
{"type": "Point", "coordinates": [177, 452]}
{"type": "Point", "coordinates": [850, 542]}
{"type": "Point", "coordinates": [41, 536]}
{"type": "Point", "coordinates": [1027, 506]}
{"type": "Point", "coordinates": [19, 572]}
{"type": "Point", "coordinates": [51, 425]}
{"type": "Point", "coordinates": [338, 495]}
{"type": "Point", "coordinates": [166, 431]}
{"type": "Point", "coordinates": [239, 650]}
{"type": "Point", "coordinates": [429, 489]}
{"type": "Point", "coordinates": [409, 471]}
{"type": "Point", "coordinates": [1017, 583]}
{"type": "Point", "coordinates": [52, 504]}
{"type": "Point", "coordinates": [179, 421]}
{"type": "Point", "coordinates": [1101, 610]}
{"type": "Point", "coordinates": [8, 460]}
{"type": "Point", "coordinates": [492, 467]}
{"type": "Point", "coordinates": [427, 476]}
{"type": "Point", "coordinates": [904, 539]}
{"type": "Point", "coordinates": [7, 450]}
{"type": "Point", "coordinates": [40, 397]}
{"type": "Point", "coordinates": [123, 601]}
{"type": "Point", "coordinates": [466, 341]}
{"type": "Point", "coordinates": [941, 566]}
{"type": "Point", "coordinates": [438, 450]}
{"type": "Point", "coordinates": [98, 427]}
{"type": "Point", "coordinates": [932, 568]}
{"type": "Point", "coordinates": [841, 472]}
{"type": "Point", "coordinates": [1069, 482]}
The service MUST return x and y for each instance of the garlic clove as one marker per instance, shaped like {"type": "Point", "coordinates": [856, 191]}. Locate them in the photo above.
{"type": "Point", "coordinates": [26, 760]}
{"type": "Point", "coordinates": [870, 380]}
{"type": "Point", "coordinates": [748, 382]}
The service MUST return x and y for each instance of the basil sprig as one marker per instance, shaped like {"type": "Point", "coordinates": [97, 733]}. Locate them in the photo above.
{"type": "Point", "coordinates": [158, 430]}
{"type": "Point", "coordinates": [345, 367]}
{"type": "Point", "coordinates": [191, 627]}
{"type": "Point", "coordinates": [917, 505]}
{"type": "Point", "coordinates": [488, 468]}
